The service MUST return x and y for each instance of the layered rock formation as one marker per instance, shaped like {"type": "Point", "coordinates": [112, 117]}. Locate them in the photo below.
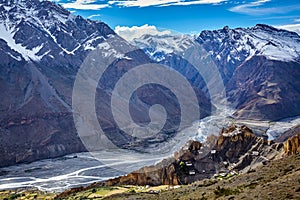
{"type": "Point", "coordinates": [235, 150]}
{"type": "Point", "coordinates": [292, 145]}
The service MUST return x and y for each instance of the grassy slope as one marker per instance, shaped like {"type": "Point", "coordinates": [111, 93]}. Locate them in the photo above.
{"type": "Point", "coordinates": [31, 194]}
{"type": "Point", "coordinates": [278, 179]}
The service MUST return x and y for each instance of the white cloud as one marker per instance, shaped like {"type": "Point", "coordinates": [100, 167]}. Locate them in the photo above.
{"type": "Point", "coordinates": [141, 3]}
{"type": "Point", "coordinates": [297, 20]}
{"type": "Point", "coordinates": [291, 27]}
{"type": "Point", "coordinates": [187, 3]}
{"type": "Point", "coordinates": [249, 8]}
{"type": "Point", "coordinates": [254, 8]}
{"type": "Point", "coordinates": [93, 16]}
{"type": "Point", "coordinates": [130, 33]}
{"type": "Point", "coordinates": [85, 5]}
{"type": "Point", "coordinates": [146, 3]}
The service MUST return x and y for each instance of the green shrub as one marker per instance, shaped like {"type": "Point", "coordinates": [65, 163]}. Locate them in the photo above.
{"type": "Point", "coordinates": [219, 191]}
{"type": "Point", "coordinates": [132, 190]}
{"type": "Point", "coordinates": [15, 196]}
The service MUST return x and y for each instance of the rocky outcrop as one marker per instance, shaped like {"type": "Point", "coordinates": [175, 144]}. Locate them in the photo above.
{"type": "Point", "coordinates": [158, 175]}
{"type": "Point", "coordinates": [292, 145]}
{"type": "Point", "coordinates": [194, 146]}
{"type": "Point", "coordinates": [164, 173]}
{"type": "Point", "coordinates": [236, 149]}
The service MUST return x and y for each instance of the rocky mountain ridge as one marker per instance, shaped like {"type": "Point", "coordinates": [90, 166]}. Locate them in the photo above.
{"type": "Point", "coordinates": [235, 150]}
{"type": "Point", "coordinates": [58, 31]}
{"type": "Point", "coordinates": [235, 156]}
{"type": "Point", "coordinates": [259, 66]}
{"type": "Point", "coordinates": [42, 47]}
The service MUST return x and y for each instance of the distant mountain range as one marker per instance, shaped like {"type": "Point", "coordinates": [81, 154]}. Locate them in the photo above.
{"type": "Point", "coordinates": [260, 66]}
{"type": "Point", "coordinates": [42, 47]}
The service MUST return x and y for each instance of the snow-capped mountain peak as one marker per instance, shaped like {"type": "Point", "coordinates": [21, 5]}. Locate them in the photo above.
{"type": "Point", "coordinates": [20, 20]}
{"type": "Point", "coordinates": [233, 45]}
{"type": "Point", "coordinates": [159, 45]}
{"type": "Point", "coordinates": [243, 43]}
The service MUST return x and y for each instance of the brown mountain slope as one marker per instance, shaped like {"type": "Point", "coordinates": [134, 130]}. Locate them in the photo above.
{"type": "Point", "coordinates": [265, 89]}
{"type": "Point", "coordinates": [262, 170]}
{"type": "Point", "coordinates": [279, 179]}
{"type": "Point", "coordinates": [235, 149]}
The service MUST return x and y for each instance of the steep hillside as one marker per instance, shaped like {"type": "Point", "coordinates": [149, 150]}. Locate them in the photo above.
{"type": "Point", "coordinates": [236, 149]}
{"type": "Point", "coordinates": [259, 66]}
{"type": "Point", "coordinates": [278, 179]}
{"type": "Point", "coordinates": [42, 47]}
{"type": "Point", "coordinates": [236, 164]}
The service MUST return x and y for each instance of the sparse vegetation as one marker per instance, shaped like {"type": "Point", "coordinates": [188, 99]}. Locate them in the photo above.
{"type": "Point", "coordinates": [29, 194]}
{"type": "Point", "coordinates": [183, 168]}
{"type": "Point", "coordinates": [132, 190]}
{"type": "Point", "coordinates": [15, 196]}
{"type": "Point", "coordinates": [262, 181]}
{"type": "Point", "coordinates": [220, 191]}
{"type": "Point", "coordinates": [206, 183]}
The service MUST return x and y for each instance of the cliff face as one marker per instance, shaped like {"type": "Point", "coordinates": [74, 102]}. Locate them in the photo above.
{"type": "Point", "coordinates": [259, 90]}
{"type": "Point", "coordinates": [234, 142]}
{"type": "Point", "coordinates": [236, 149]}
{"type": "Point", "coordinates": [292, 145]}
{"type": "Point", "coordinates": [166, 175]}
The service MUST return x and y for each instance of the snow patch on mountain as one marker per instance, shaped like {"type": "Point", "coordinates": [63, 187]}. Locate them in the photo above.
{"type": "Point", "coordinates": [58, 31]}
{"type": "Point", "coordinates": [89, 44]}
{"type": "Point", "coordinates": [108, 51]}
{"type": "Point", "coordinates": [233, 45]}
{"type": "Point", "coordinates": [28, 54]}
{"type": "Point", "coordinates": [243, 43]}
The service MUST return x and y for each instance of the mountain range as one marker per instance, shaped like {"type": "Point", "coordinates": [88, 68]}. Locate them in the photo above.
{"type": "Point", "coordinates": [259, 66]}
{"type": "Point", "coordinates": [43, 46]}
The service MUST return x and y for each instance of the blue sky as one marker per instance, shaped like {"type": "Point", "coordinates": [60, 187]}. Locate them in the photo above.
{"type": "Point", "coordinates": [188, 16]}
